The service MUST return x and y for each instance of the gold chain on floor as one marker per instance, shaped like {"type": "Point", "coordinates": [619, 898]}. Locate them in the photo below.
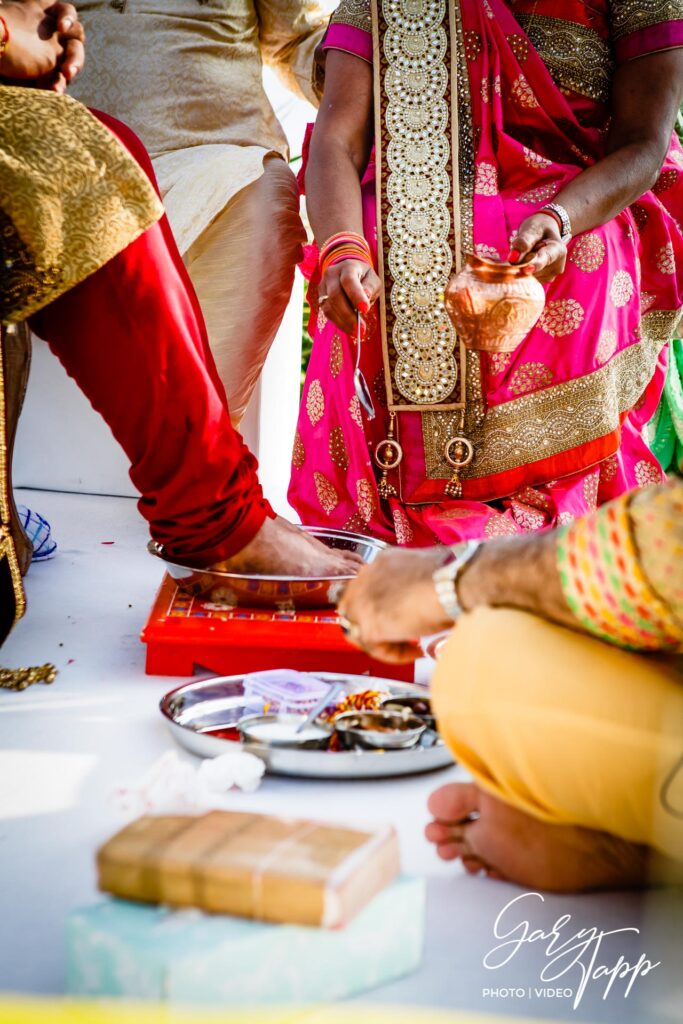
{"type": "Point", "coordinates": [20, 678]}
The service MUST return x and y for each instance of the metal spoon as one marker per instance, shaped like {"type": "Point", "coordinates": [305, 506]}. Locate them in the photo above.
{"type": "Point", "coordinates": [335, 686]}
{"type": "Point", "coordinates": [360, 385]}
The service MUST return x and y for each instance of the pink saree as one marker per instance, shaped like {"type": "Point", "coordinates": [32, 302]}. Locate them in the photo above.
{"type": "Point", "coordinates": [482, 116]}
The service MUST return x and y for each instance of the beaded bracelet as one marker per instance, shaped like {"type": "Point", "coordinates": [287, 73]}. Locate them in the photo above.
{"type": "Point", "coordinates": [4, 42]}
{"type": "Point", "coordinates": [604, 584]}
{"type": "Point", "coordinates": [555, 216]}
{"type": "Point", "coordinates": [560, 215]}
{"type": "Point", "coordinates": [346, 245]}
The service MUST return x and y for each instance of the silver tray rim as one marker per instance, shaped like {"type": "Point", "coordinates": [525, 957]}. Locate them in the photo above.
{"type": "Point", "coordinates": [316, 764]}
{"type": "Point", "coordinates": [316, 531]}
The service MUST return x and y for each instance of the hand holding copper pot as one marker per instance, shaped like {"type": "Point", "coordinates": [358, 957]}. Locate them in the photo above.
{"type": "Point", "coordinates": [493, 306]}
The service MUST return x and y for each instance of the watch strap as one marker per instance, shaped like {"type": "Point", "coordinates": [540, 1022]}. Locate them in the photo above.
{"type": "Point", "coordinates": [446, 577]}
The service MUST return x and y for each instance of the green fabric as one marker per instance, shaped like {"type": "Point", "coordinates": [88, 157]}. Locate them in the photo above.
{"type": "Point", "coordinates": [666, 427]}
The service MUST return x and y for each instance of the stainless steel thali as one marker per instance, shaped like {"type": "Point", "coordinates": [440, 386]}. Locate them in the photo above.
{"type": "Point", "coordinates": [289, 593]}
{"type": "Point", "coordinates": [194, 711]}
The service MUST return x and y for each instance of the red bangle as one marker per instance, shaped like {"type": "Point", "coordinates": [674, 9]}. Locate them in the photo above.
{"type": "Point", "coordinates": [4, 42]}
{"type": "Point", "coordinates": [555, 216]}
{"type": "Point", "coordinates": [346, 245]}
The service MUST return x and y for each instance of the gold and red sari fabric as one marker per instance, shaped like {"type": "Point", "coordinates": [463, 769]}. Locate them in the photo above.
{"type": "Point", "coordinates": [484, 111]}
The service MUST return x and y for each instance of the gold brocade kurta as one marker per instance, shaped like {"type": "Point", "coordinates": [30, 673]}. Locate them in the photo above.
{"type": "Point", "coordinates": [186, 76]}
{"type": "Point", "coordinates": [71, 198]}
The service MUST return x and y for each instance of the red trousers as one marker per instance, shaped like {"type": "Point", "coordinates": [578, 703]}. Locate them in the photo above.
{"type": "Point", "coordinates": [132, 336]}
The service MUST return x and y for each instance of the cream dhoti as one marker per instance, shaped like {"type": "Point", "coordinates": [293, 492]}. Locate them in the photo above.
{"type": "Point", "coordinates": [242, 267]}
{"type": "Point", "coordinates": [219, 153]}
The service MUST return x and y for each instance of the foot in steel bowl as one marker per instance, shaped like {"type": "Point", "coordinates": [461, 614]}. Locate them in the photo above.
{"type": "Point", "coordinates": [282, 568]}
{"type": "Point", "coordinates": [282, 549]}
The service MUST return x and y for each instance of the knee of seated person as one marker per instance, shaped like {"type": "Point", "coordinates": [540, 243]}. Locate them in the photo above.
{"type": "Point", "coordinates": [486, 648]}
{"type": "Point", "coordinates": [284, 199]}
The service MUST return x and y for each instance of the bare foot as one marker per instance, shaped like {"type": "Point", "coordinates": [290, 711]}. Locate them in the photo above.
{"type": "Point", "coordinates": [282, 549]}
{"type": "Point", "coordinates": [507, 844]}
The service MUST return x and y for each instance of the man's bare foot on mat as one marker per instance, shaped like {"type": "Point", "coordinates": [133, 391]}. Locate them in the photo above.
{"type": "Point", "coordinates": [508, 844]}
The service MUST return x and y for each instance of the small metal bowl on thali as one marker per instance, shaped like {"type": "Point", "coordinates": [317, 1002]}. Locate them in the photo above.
{"type": "Point", "coordinates": [378, 730]}
{"type": "Point", "coordinates": [411, 707]}
{"type": "Point", "coordinates": [288, 593]}
{"type": "Point", "coordinates": [278, 730]}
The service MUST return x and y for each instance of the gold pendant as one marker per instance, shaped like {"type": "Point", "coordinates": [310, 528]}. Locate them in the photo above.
{"type": "Point", "coordinates": [459, 453]}
{"type": "Point", "coordinates": [388, 456]}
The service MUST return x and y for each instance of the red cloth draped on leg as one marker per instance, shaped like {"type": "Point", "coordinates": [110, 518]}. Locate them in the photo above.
{"type": "Point", "coordinates": [132, 336]}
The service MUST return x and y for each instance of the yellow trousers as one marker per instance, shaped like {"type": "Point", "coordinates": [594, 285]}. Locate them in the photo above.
{"type": "Point", "coordinates": [566, 728]}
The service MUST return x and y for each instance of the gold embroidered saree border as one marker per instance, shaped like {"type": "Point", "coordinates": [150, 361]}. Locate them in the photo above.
{"type": "Point", "coordinates": [629, 16]}
{"type": "Point", "coordinates": [439, 427]}
{"type": "Point", "coordinates": [416, 238]}
{"type": "Point", "coordinates": [576, 56]}
{"type": "Point", "coordinates": [556, 419]}
{"type": "Point", "coordinates": [355, 13]}
{"type": "Point", "coordinates": [7, 549]}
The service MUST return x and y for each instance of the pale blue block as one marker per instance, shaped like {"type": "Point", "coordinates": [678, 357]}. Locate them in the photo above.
{"type": "Point", "coordinates": [117, 948]}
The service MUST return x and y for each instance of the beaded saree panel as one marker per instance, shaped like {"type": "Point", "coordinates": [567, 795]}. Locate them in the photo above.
{"type": "Point", "coordinates": [425, 171]}
{"type": "Point", "coordinates": [417, 201]}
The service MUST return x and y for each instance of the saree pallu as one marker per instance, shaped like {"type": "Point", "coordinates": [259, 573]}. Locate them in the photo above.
{"type": "Point", "coordinates": [474, 134]}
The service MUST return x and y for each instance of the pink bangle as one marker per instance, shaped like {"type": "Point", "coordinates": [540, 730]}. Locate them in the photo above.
{"type": "Point", "coordinates": [345, 245]}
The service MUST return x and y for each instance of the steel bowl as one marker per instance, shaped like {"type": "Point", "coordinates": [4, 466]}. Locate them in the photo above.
{"type": "Point", "coordinates": [284, 593]}
{"type": "Point", "coordinates": [378, 730]}
{"type": "Point", "coordinates": [253, 731]}
{"type": "Point", "coordinates": [411, 707]}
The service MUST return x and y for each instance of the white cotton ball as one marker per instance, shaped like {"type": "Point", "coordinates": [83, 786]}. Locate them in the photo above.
{"type": "Point", "coordinates": [174, 786]}
{"type": "Point", "coordinates": [170, 785]}
{"type": "Point", "coordinates": [167, 787]}
{"type": "Point", "coordinates": [237, 769]}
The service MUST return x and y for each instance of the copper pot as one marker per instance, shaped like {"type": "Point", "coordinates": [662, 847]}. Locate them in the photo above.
{"type": "Point", "coordinates": [493, 306]}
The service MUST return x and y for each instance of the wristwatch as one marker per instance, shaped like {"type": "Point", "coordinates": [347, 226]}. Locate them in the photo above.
{"type": "Point", "coordinates": [447, 575]}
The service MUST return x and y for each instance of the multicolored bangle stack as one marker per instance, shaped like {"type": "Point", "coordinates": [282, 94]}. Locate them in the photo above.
{"type": "Point", "coordinates": [604, 584]}
{"type": "Point", "coordinates": [4, 42]}
{"type": "Point", "coordinates": [346, 245]}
